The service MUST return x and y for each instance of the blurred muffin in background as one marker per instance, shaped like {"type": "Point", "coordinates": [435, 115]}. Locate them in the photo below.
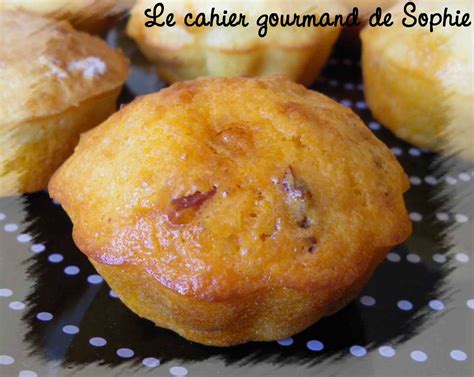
{"type": "Point", "coordinates": [55, 83]}
{"type": "Point", "coordinates": [419, 83]}
{"type": "Point", "coordinates": [185, 53]}
{"type": "Point", "coordinates": [89, 15]}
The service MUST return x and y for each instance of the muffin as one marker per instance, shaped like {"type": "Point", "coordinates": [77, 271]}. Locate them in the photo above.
{"type": "Point", "coordinates": [420, 83]}
{"type": "Point", "coordinates": [88, 15]}
{"type": "Point", "coordinates": [185, 53]}
{"type": "Point", "coordinates": [234, 209]}
{"type": "Point", "coordinates": [55, 83]}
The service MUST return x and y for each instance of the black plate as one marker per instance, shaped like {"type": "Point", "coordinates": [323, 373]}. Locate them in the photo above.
{"type": "Point", "coordinates": [415, 318]}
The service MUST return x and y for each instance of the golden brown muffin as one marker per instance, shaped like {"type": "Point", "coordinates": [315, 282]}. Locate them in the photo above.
{"type": "Point", "coordinates": [55, 83]}
{"type": "Point", "coordinates": [419, 83]}
{"type": "Point", "coordinates": [89, 15]}
{"type": "Point", "coordinates": [185, 53]}
{"type": "Point", "coordinates": [234, 209]}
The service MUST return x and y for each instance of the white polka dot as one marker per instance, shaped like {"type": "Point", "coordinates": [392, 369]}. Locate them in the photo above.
{"type": "Point", "coordinates": [151, 362]}
{"type": "Point", "coordinates": [2, 216]}
{"type": "Point", "coordinates": [126, 353]}
{"type": "Point", "coordinates": [460, 218]}
{"type": "Point", "coordinates": [6, 360]}
{"type": "Point", "coordinates": [16, 305]}
{"type": "Point", "coordinates": [397, 151]}
{"type": "Point", "coordinates": [5, 292]}
{"type": "Point", "coordinates": [44, 316]}
{"type": "Point", "coordinates": [367, 300]}
{"type": "Point", "coordinates": [442, 216]}
{"type": "Point", "coordinates": [333, 83]}
{"type": "Point", "coordinates": [451, 180]}
{"type": "Point", "coordinates": [70, 329]}
{"type": "Point", "coordinates": [386, 351]}
{"type": "Point", "coordinates": [178, 371]}
{"type": "Point", "coordinates": [439, 258]}
{"type": "Point", "coordinates": [436, 305]}
{"type": "Point", "coordinates": [458, 355]}
{"type": "Point", "coordinates": [37, 248]}
{"type": "Point", "coordinates": [393, 257]}
{"type": "Point", "coordinates": [285, 342]}
{"type": "Point", "coordinates": [415, 152]}
{"type": "Point", "coordinates": [55, 202]}
{"type": "Point", "coordinates": [55, 258]}
{"type": "Point", "coordinates": [71, 270]}
{"type": "Point", "coordinates": [470, 303]}
{"type": "Point", "coordinates": [361, 105]}
{"type": "Point", "coordinates": [315, 345]}
{"type": "Point", "coordinates": [405, 305]}
{"type": "Point", "coordinates": [415, 216]}
{"type": "Point", "coordinates": [95, 279]}
{"type": "Point", "coordinates": [413, 258]}
{"type": "Point", "coordinates": [414, 180]}
{"type": "Point", "coordinates": [358, 351]}
{"type": "Point", "coordinates": [27, 373]}
{"type": "Point", "coordinates": [23, 238]}
{"type": "Point", "coordinates": [461, 257]}
{"type": "Point", "coordinates": [464, 177]}
{"type": "Point", "coordinates": [349, 86]}
{"type": "Point", "coordinates": [374, 126]}
{"type": "Point", "coordinates": [113, 294]}
{"type": "Point", "coordinates": [346, 102]}
{"type": "Point", "coordinates": [10, 227]}
{"type": "Point", "coordinates": [431, 180]}
{"type": "Point", "coordinates": [419, 356]}
{"type": "Point", "coordinates": [97, 341]}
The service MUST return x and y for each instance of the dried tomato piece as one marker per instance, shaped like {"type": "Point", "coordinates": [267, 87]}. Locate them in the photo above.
{"type": "Point", "coordinates": [185, 207]}
{"type": "Point", "coordinates": [193, 200]}
{"type": "Point", "coordinates": [298, 198]}
{"type": "Point", "coordinates": [313, 244]}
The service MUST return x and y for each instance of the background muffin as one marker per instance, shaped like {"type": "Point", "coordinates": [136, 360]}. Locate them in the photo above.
{"type": "Point", "coordinates": [88, 15]}
{"type": "Point", "coordinates": [184, 53]}
{"type": "Point", "coordinates": [420, 83]}
{"type": "Point", "coordinates": [234, 209]}
{"type": "Point", "coordinates": [55, 83]}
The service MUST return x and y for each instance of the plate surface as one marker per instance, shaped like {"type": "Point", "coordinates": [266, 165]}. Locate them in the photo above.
{"type": "Point", "coordinates": [415, 317]}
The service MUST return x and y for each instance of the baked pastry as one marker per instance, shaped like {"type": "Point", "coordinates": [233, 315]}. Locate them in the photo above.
{"type": "Point", "coordinates": [417, 82]}
{"type": "Point", "coordinates": [89, 15]}
{"type": "Point", "coordinates": [55, 83]}
{"type": "Point", "coordinates": [184, 53]}
{"type": "Point", "coordinates": [234, 209]}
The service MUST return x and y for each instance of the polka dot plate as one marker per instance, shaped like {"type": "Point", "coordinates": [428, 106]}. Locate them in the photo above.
{"type": "Point", "coordinates": [415, 317]}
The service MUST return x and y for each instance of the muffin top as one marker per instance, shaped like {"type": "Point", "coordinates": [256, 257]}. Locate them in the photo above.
{"type": "Point", "coordinates": [77, 11]}
{"type": "Point", "coordinates": [220, 187]}
{"type": "Point", "coordinates": [46, 67]}
{"type": "Point", "coordinates": [444, 55]}
{"type": "Point", "coordinates": [231, 38]}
